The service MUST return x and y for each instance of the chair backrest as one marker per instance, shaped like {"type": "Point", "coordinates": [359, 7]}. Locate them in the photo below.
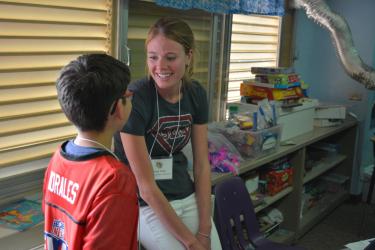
{"type": "Point", "coordinates": [233, 205]}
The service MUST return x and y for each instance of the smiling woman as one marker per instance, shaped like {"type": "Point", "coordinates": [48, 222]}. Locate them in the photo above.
{"type": "Point", "coordinates": [169, 109]}
{"type": "Point", "coordinates": [169, 59]}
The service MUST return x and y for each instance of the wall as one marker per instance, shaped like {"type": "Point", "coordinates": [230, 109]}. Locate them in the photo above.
{"type": "Point", "coordinates": [318, 65]}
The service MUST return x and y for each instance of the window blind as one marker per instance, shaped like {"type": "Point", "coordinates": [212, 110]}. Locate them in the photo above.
{"type": "Point", "coordinates": [254, 43]}
{"type": "Point", "coordinates": [37, 38]}
{"type": "Point", "coordinates": [143, 14]}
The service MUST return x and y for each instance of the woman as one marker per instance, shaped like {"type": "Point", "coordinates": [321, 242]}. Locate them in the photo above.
{"type": "Point", "coordinates": [168, 109]}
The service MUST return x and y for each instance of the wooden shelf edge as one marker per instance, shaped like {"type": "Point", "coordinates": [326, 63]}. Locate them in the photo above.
{"type": "Point", "coordinates": [269, 200]}
{"type": "Point", "coordinates": [282, 236]}
{"type": "Point", "coordinates": [314, 215]}
{"type": "Point", "coordinates": [217, 177]}
{"type": "Point", "coordinates": [323, 166]}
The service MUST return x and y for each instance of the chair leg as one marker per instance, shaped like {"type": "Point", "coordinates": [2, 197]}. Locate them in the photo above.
{"type": "Point", "coordinates": [371, 187]}
{"type": "Point", "coordinates": [363, 219]}
{"type": "Point", "coordinates": [370, 191]}
{"type": "Point", "coordinates": [372, 181]}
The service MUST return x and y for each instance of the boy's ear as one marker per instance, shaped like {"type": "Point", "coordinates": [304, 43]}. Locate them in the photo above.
{"type": "Point", "coordinates": [119, 110]}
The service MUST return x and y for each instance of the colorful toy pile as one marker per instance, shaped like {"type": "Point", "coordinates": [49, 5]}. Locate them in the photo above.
{"type": "Point", "coordinates": [279, 84]}
{"type": "Point", "coordinates": [222, 160]}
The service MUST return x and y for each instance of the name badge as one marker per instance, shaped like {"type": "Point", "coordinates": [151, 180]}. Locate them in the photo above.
{"type": "Point", "coordinates": [162, 168]}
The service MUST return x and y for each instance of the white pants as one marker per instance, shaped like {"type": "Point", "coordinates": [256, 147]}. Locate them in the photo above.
{"type": "Point", "coordinates": [154, 236]}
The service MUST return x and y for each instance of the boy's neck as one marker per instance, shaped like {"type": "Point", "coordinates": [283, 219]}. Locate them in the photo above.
{"type": "Point", "coordinates": [98, 137]}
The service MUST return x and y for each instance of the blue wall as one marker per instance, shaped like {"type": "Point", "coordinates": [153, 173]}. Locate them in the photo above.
{"type": "Point", "coordinates": [317, 63]}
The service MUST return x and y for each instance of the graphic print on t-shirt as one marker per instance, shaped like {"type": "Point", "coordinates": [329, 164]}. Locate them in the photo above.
{"type": "Point", "coordinates": [168, 129]}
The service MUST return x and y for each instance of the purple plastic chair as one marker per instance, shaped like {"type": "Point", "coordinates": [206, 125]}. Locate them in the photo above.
{"type": "Point", "coordinates": [232, 201]}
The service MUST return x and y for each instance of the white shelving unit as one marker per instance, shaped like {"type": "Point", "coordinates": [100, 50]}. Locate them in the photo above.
{"type": "Point", "coordinates": [289, 201]}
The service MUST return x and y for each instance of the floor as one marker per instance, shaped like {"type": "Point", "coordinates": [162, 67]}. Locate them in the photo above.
{"type": "Point", "coordinates": [342, 226]}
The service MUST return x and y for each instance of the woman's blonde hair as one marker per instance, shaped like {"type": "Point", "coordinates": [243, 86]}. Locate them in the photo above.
{"type": "Point", "coordinates": [177, 30]}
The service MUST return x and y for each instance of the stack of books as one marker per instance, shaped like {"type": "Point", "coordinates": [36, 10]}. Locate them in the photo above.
{"type": "Point", "coordinates": [274, 83]}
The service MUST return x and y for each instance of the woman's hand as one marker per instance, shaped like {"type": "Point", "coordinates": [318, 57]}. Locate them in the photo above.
{"type": "Point", "coordinates": [136, 151]}
{"type": "Point", "coordinates": [204, 240]}
{"type": "Point", "coordinates": [197, 245]}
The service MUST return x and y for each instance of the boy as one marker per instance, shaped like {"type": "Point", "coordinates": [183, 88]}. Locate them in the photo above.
{"type": "Point", "coordinates": [89, 196]}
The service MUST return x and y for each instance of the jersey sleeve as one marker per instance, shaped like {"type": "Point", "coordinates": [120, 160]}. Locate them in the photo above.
{"type": "Point", "coordinates": [46, 180]}
{"type": "Point", "coordinates": [45, 183]}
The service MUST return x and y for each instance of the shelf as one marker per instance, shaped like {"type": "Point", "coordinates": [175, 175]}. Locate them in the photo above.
{"type": "Point", "coordinates": [300, 142]}
{"type": "Point", "coordinates": [268, 200]}
{"type": "Point", "coordinates": [324, 207]}
{"type": "Point", "coordinates": [323, 166]}
{"type": "Point", "coordinates": [282, 236]}
{"type": "Point", "coordinates": [217, 177]}
{"type": "Point", "coordinates": [289, 200]}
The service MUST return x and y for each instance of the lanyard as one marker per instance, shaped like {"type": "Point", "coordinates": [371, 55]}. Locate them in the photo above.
{"type": "Point", "coordinates": [99, 144]}
{"type": "Point", "coordinates": [178, 124]}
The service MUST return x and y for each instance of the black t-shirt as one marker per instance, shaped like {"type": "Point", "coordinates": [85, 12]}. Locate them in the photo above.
{"type": "Point", "coordinates": [143, 121]}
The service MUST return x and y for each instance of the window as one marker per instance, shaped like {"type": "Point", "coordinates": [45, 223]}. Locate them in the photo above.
{"type": "Point", "coordinates": [143, 14]}
{"type": "Point", "coordinates": [207, 30]}
{"type": "Point", "coordinates": [254, 42]}
{"type": "Point", "coordinates": [37, 38]}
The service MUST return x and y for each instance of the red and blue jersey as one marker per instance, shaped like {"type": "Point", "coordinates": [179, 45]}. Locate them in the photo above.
{"type": "Point", "coordinates": [89, 202]}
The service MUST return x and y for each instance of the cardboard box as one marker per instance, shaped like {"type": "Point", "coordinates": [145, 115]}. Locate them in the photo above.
{"type": "Point", "coordinates": [297, 120]}
{"type": "Point", "coordinates": [274, 85]}
{"type": "Point", "coordinates": [272, 70]}
{"type": "Point", "coordinates": [324, 111]}
{"type": "Point", "coordinates": [277, 180]}
{"type": "Point", "coordinates": [322, 123]}
{"type": "Point", "coordinates": [277, 78]}
{"type": "Point", "coordinates": [259, 93]}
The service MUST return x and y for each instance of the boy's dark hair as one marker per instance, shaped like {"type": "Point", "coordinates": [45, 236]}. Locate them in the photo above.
{"type": "Point", "coordinates": [88, 87]}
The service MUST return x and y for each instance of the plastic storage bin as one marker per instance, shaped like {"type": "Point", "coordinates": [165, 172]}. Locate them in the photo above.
{"type": "Point", "coordinates": [253, 144]}
{"type": "Point", "coordinates": [295, 121]}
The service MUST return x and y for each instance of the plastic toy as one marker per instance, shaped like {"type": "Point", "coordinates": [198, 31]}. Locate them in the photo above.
{"type": "Point", "coordinates": [222, 160]}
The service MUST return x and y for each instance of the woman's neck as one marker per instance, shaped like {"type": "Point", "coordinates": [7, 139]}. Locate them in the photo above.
{"type": "Point", "coordinates": [171, 95]}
